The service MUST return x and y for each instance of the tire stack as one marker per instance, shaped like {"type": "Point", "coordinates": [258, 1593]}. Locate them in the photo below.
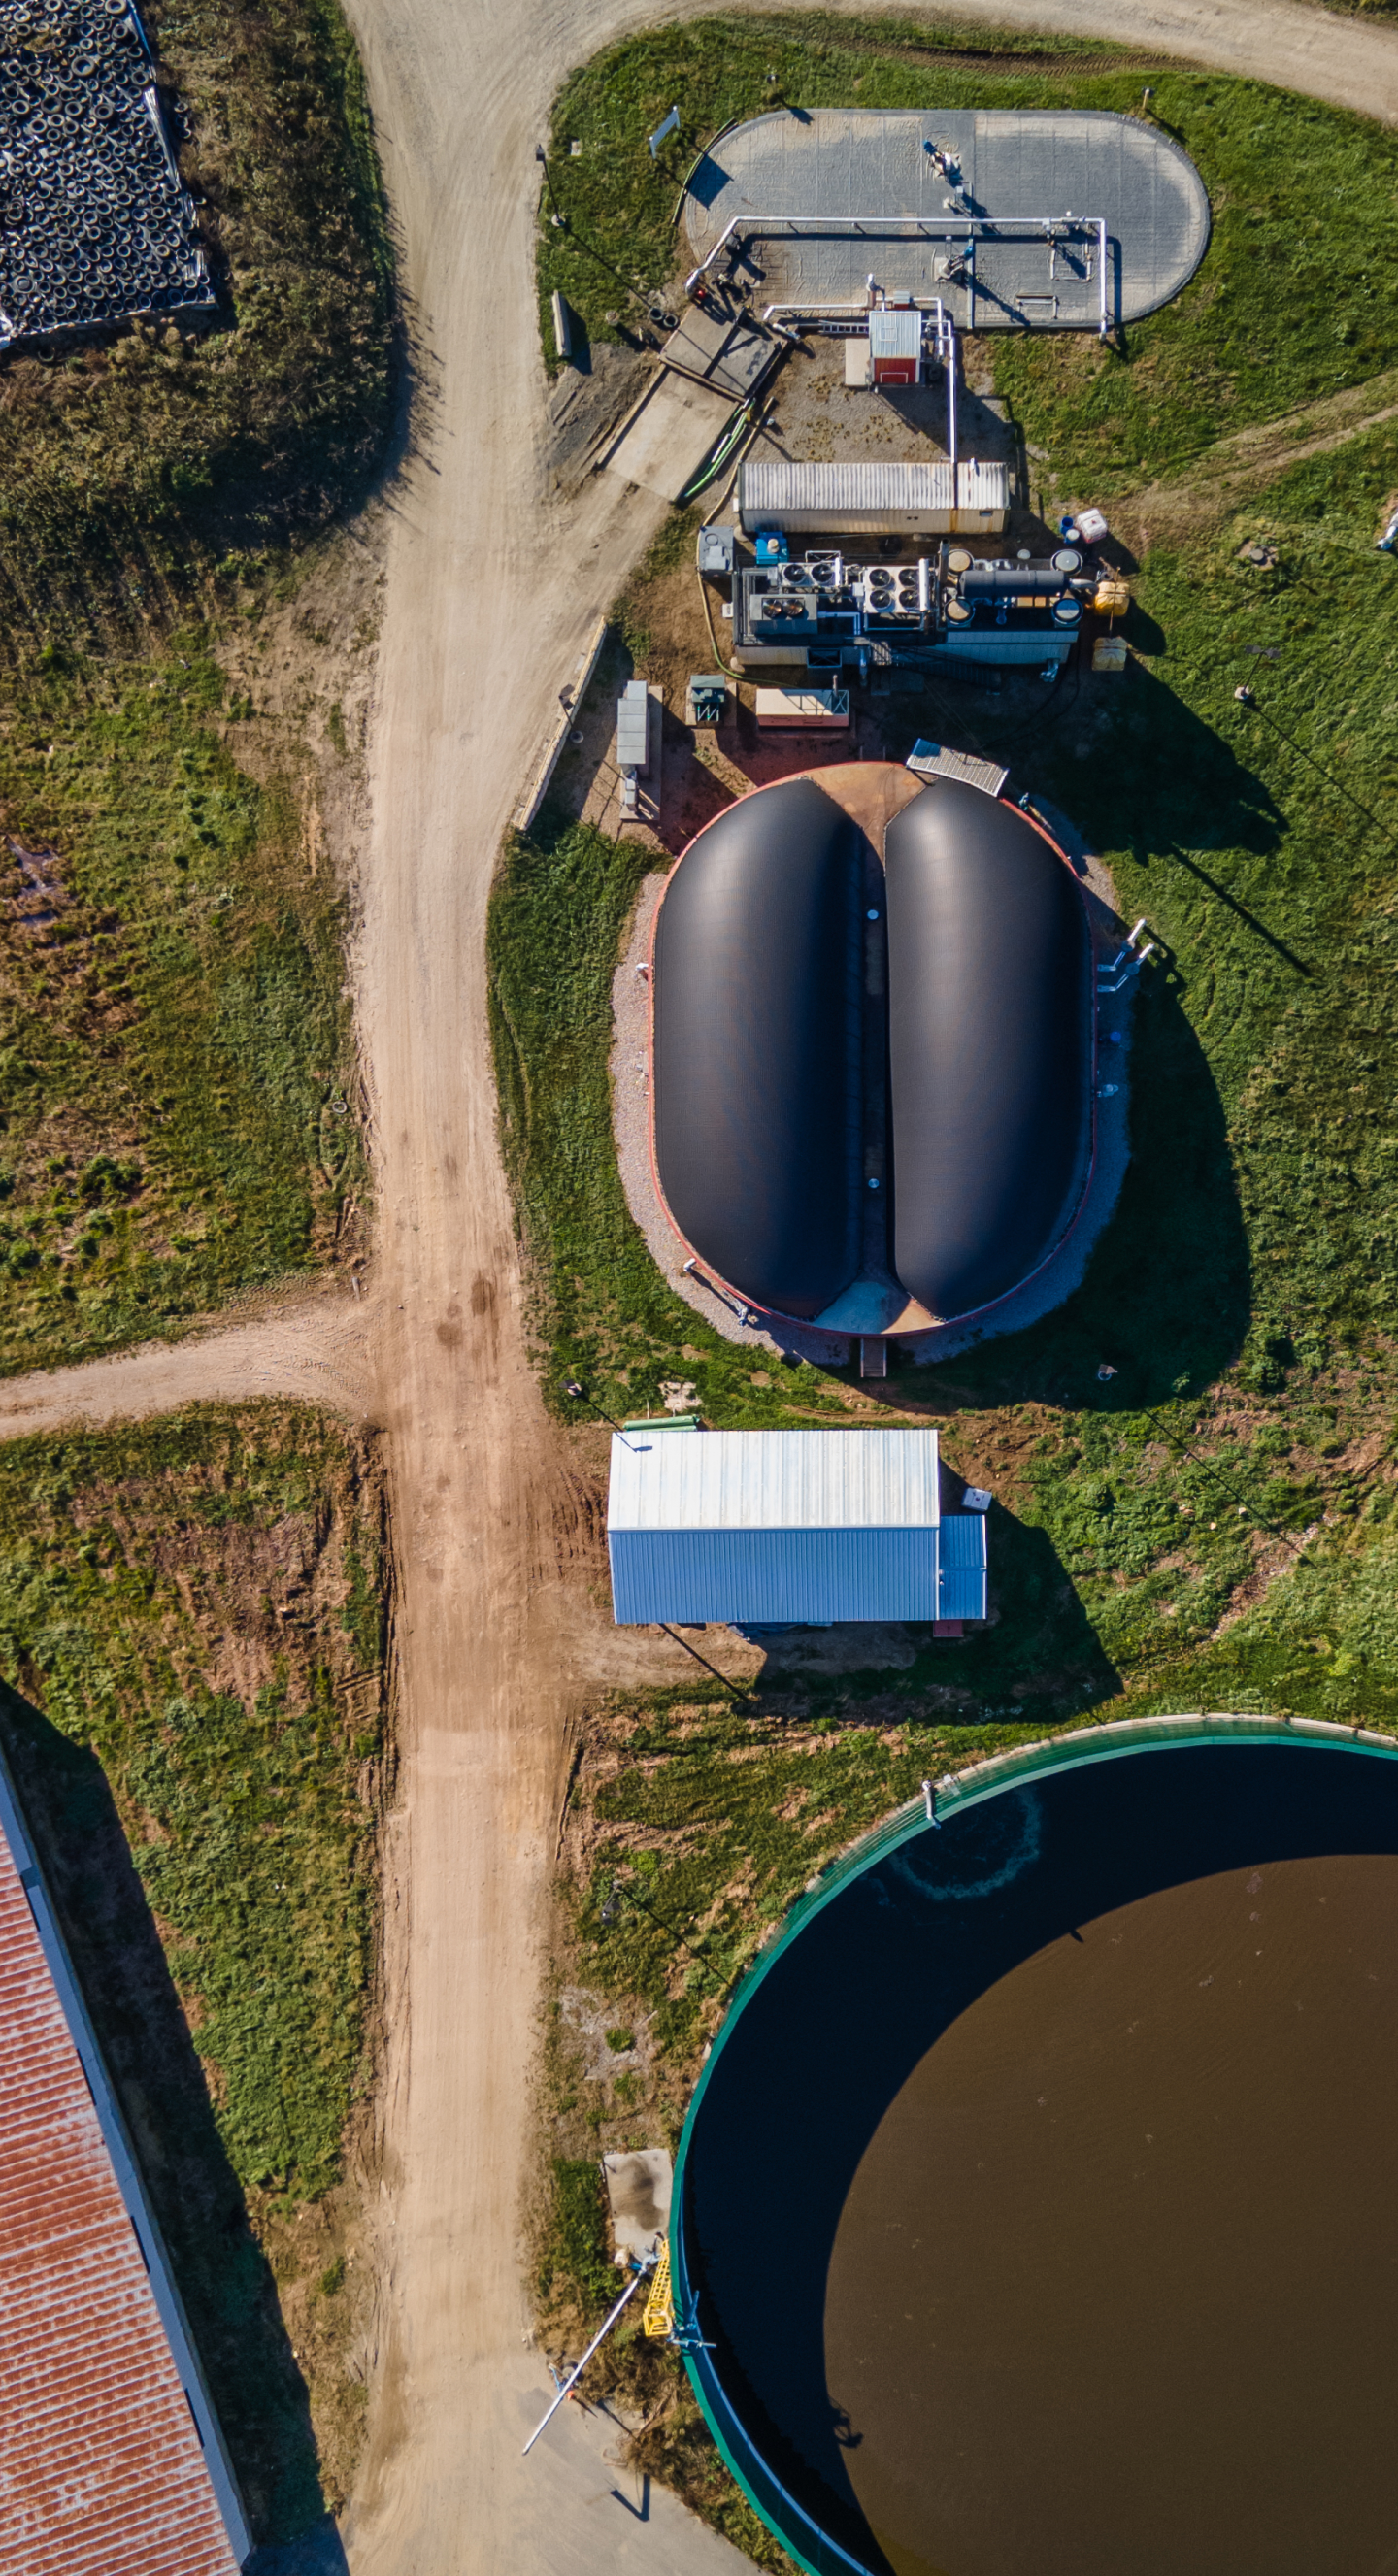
{"type": "Point", "coordinates": [95, 226]}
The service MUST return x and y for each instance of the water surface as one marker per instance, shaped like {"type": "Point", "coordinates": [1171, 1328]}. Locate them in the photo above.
{"type": "Point", "coordinates": [1040, 2197]}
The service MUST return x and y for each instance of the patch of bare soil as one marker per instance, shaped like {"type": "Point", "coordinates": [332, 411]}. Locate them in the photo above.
{"type": "Point", "coordinates": [300, 667]}
{"type": "Point", "coordinates": [1213, 485]}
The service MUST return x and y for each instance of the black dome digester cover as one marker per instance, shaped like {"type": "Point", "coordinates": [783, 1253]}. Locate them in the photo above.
{"type": "Point", "coordinates": [757, 1047]}
{"type": "Point", "coordinates": [989, 1046]}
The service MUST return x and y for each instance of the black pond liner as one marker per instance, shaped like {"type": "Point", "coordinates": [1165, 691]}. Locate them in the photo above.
{"type": "Point", "coordinates": [1146, 2292]}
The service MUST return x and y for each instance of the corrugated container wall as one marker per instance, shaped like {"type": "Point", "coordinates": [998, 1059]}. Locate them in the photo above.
{"type": "Point", "coordinates": [866, 499]}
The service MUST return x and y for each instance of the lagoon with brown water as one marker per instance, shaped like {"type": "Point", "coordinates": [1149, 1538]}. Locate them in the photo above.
{"type": "Point", "coordinates": [1038, 2199]}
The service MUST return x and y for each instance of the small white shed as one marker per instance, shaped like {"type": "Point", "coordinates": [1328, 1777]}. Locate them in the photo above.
{"type": "Point", "coordinates": [778, 1528]}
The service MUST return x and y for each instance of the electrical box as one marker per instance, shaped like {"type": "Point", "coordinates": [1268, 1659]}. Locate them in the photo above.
{"type": "Point", "coordinates": [707, 698]}
{"type": "Point", "coordinates": [716, 551]}
{"type": "Point", "coordinates": [633, 726]}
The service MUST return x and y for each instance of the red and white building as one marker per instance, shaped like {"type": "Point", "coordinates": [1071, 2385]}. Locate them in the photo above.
{"type": "Point", "coordinates": [111, 2460]}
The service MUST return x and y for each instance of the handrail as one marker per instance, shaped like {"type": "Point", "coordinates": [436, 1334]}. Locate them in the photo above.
{"type": "Point", "coordinates": [947, 227]}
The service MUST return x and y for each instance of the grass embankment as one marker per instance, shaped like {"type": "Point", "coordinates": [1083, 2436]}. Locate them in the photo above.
{"type": "Point", "coordinates": [177, 1097]}
{"type": "Point", "coordinates": [175, 1054]}
{"type": "Point", "coordinates": [1288, 304]}
{"type": "Point", "coordinates": [130, 465]}
{"type": "Point", "coordinates": [196, 1607]}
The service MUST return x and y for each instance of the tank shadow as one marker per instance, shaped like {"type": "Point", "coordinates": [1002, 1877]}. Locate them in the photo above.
{"type": "Point", "coordinates": [1167, 1297]}
{"type": "Point", "coordinates": [223, 2277]}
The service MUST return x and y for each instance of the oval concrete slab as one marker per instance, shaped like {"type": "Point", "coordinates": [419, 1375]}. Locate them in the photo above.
{"type": "Point", "coordinates": [958, 170]}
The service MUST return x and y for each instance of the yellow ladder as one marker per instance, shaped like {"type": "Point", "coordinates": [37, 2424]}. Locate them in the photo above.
{"type": "Point", "coordinates": [659, 2318]}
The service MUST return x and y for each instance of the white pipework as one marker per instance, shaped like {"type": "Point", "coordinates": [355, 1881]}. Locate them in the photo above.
{"type": "Point", "coordinates": [970, 228]}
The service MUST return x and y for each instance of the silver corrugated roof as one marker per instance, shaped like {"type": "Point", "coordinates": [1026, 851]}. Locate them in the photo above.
{"type": "Point", "coordinates": [771, 484]}
{"type": "Point", "coordinates": [896, 332]}
{"type": "Point", "coordinates": [775, 1480]}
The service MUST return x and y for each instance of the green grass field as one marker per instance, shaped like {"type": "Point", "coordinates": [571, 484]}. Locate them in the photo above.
{"type": "Point", "coordinates": [178, 1099]}
{"type": "Point", "coordinates": [176, 1061]}
{"type": "Point", "coordinates": [193, 1612]}
{"type": "Point", "coordinates": [1212, 1526]}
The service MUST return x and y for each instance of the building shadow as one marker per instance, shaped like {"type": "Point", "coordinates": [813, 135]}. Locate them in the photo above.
{"type": "Point", "coordinates": [1038, 1659]}
{"type": "Point", "coordinates": [1166, 1301]}
{"type": "Point", "coordinates": [222, 2275]}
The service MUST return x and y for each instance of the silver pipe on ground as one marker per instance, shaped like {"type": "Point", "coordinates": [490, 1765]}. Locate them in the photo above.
{"type": "Point", "coordinates": [575, 2375]}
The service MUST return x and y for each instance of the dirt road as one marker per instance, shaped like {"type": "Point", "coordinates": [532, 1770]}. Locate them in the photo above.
{"type": "Point", "coordinates": [490, 591]}
{"type": "Point", "coordinates": [316, 1345]}
{"type": "Point", "coordinates": [487, 603]}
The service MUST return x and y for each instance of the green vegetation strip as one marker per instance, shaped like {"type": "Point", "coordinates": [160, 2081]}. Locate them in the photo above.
{"type": "Point", "coordinates": [193, 1613]}
{"type": "Point", "coordinates": [175, 1051]}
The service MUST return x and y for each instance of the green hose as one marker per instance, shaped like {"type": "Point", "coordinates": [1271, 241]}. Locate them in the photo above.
{"type": "Point", "coordinates": [714, 463]}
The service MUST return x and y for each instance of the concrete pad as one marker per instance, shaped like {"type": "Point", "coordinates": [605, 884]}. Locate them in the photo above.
{"type": "Point", "coordinates": [1020, 163]}
{"type": "Point", "coordinates": [667, 440]}
{"type": "Point", "coordinates": [729, 352]}
{"type": "Point", "coordinates": [638, 2195]}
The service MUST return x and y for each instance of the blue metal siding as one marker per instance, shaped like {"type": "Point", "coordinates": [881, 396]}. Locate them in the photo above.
{"type": "Point", "coordinates": [769, 1577]}
{"type": "Point", "coordinates": [962, 1591]}
{"type": "Point", "coordinates": [963, 1540]}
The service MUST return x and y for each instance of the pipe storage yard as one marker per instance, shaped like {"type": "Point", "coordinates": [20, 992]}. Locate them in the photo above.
{"type": "Point", "coordinates": [872, 1048]}
{"type": "Point", "coordinates": [1065, 219]}
{"type": "Point", "coordinates": [97, 226]}
{"type": "Point", "coordinates": [1079, 2079]}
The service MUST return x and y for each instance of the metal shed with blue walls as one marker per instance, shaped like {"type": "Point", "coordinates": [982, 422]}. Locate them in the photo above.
{"type": "Point", "coordinates": [787, 1528]}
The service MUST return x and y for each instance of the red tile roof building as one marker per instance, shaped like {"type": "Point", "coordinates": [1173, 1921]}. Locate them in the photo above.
{"type": "Point", "coordinates": [111, 2462]}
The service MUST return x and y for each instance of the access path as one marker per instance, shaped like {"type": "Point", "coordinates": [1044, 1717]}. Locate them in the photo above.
{"type": "Point", "coordinates": [491, 588]}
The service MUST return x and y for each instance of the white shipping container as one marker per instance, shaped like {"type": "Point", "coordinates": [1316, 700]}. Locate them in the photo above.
{"type": "Point", "coordinates": [868, 498]}
{"type": "Point", "coordinates": [633, 726]}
